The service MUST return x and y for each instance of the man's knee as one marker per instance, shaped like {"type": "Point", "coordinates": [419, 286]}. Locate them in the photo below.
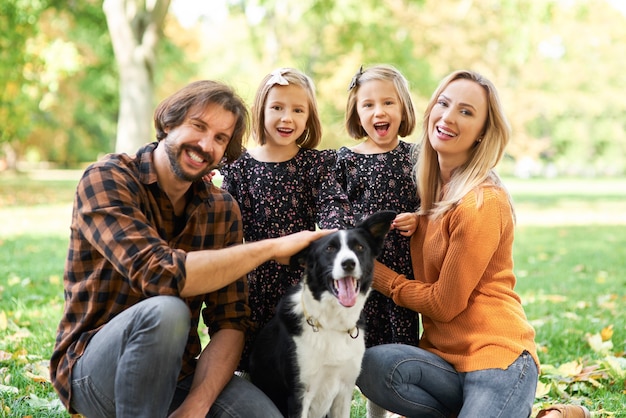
{"type": "Point", "coordinates": [168, 317]}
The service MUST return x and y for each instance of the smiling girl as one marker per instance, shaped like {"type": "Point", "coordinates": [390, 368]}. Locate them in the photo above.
{"type": "Point", "coordinates": [283, 185]}
{"type": "Point", "coordinates": [376, 175]}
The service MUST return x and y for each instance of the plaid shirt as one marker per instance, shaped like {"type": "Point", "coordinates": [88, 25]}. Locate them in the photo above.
{"type": "Point", "coordinates": [126, 245]}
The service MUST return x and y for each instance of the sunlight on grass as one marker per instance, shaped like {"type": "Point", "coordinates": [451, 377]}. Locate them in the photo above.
{"type": "Point", "coordinates": [52, 219]}
{"type": "Point", "coordinates": [569, 202]}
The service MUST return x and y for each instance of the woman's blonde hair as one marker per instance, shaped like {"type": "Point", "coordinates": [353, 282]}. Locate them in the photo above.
{"type": "Point", "coordinates": [386, 73]}
{"type": "Point", "coordinates": [477, 170]}
{"type": "Point", "coordinates": [312, 135]}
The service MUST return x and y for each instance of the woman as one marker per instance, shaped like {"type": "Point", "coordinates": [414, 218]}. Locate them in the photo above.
{"type": "Point", "coordinates": [477, 355]}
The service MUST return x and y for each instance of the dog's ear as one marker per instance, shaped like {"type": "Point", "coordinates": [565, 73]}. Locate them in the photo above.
{"type": "Point", "coordinates": [299, 259]}
{"type": "Point", "coordinates": [379, 223]}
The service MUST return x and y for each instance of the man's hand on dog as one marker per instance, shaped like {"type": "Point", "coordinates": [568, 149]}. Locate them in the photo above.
{"type": "Point", "coordinates": [285, 247]}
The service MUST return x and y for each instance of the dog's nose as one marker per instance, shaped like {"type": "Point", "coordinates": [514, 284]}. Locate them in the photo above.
{"type": "Point", "coordinates": [348, 264]}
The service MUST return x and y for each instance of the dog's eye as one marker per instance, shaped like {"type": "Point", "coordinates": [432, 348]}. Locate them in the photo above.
{"type": "Point", "coordinates": [331, 249]}
{"type": "Point", "coordinates": [359, 247]}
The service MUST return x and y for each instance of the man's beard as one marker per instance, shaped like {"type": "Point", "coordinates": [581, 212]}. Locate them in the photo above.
{"type": "Point", "coordinates": [174, 154]}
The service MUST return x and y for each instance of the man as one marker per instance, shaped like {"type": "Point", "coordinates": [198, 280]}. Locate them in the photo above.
{"type": "Point", "coordinates": [150, 243]}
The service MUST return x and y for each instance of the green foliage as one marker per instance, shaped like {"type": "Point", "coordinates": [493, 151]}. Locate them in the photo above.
{"type": "Point", "coordinates": [18, 95]}
{"type": "Point", "coordinates": [556, 84]}
{"type": "Point", "coordinates": [557, 65]}
{"type": "Point", "coordinates": [569, 267]}
{"type": "Point", "coordinates": [60, 91]}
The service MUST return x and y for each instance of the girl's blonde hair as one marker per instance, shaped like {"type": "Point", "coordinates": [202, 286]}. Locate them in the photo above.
{"type": "Point", "coordinates": [484, 156]}
{"type": "Point", "coordinates": [386, 73]}
{"type": "Point", "coordinates": [312, 135]}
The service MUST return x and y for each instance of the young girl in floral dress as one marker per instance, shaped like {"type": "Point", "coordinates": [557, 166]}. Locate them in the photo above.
{"type": "Point", "coordinates": [376, 175]}
{"type": "Point", "coordinates": [283, 185]}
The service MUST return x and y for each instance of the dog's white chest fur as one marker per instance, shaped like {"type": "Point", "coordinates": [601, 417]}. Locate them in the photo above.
{"type": "Point", "coordinates": [330, 350]}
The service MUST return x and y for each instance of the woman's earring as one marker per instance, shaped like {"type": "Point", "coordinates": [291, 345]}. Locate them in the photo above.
{"type": "Point", "coordinates": [479, 140]}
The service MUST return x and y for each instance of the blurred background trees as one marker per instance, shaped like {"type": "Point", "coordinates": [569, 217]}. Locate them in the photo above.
{"type": "Point", "coordinates": [558, 65]}
{"type": "Point", "coordinates": [135, 28]}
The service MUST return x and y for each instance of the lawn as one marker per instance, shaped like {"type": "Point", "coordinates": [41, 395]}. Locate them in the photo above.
{"type": "Point", "coordinates": [570, 256]}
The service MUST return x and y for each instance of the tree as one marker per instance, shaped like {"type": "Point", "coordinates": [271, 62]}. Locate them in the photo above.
{"type": "Point", "coordinates": [135, 27]}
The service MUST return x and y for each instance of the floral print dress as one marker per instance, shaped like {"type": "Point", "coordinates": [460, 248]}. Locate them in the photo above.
{"type": "Point", "coordinates": [278, 199]}
{"type": "Point", "coordinates": [375, 182]}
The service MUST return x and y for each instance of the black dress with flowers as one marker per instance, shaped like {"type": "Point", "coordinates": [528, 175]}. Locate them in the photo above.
{"type": "Point", "coordinates": [278, 199]}
{"type": "Point", "coordinates": [376, 182]}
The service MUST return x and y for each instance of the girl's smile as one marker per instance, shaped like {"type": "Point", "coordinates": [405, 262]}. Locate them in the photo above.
{"type": "Point", "coordinates": [286, 114]}
{"type": "Point", "coordinates": [380, 112]}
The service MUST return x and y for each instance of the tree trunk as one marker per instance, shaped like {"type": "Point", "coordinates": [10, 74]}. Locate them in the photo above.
{"type": "Point", "coordinates": [135, 27]}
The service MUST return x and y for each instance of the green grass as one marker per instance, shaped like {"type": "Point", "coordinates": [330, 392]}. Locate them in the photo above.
{"type": "Point", "coordinates": [570, 256]}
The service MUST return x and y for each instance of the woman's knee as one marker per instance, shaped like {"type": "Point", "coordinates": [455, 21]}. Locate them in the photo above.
{"type": "Point", "coordinates": [378, 364]}
{"type": "Point", "coordinates": [386, 357]}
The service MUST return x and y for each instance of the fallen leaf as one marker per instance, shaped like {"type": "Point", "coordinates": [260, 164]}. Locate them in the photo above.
{"type": "Point", "coordinates": [8, 389]}
{"type": "Point", "coordinates": [38, 372]}
{"type": "Point", "coordinates": [5, 356]}
{"type": "Point", "coordinates": [554, 298]}
{"type": "Point", "coordinates": [40, 403]}
{"type": "Point", "coordinates": [21, 334]}
{"type": "Point", "coordinates": [571, 368]}
{"type": "Point", "coordinates": [598, 345]}
{"type": "Point", "coordinates": [617, 365]}
{"type": "Point", "coordinates": [36, 378]}
{"type": "Point", "coordinates": [54, 279]}
{"type": "Point", "coordinates": [582, 304]}
{"type": "Point", "coordinates": [607, 333]}
{"type": "Point", "coordinates": [542, 390]}
{"type": "Point", "coordinates": [602, 277]}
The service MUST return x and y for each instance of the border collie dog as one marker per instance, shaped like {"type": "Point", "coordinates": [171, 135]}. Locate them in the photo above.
{"type": "Point", "coordinates": [308, 357]}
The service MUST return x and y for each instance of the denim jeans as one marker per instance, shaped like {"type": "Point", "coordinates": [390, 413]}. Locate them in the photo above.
{"type": "Point", "coordinates": [239, 399]}
{"type": "Point", "coordinates": [413, 382]}
{"type": "Point", "coordinates": [130, 368]}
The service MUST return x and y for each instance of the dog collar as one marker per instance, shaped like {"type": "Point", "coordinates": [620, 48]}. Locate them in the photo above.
{"type": "Point", "coordinates": [315, 324]}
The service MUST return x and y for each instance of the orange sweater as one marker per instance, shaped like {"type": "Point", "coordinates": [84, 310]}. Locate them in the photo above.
{"type": "Point", "coordinates": [463, 287]}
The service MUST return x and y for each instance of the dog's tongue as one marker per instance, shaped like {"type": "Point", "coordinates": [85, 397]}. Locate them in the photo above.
{"type": "Point", "coordinates": [345, 292]}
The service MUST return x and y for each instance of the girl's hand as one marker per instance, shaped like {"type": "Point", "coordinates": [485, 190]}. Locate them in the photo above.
{"type": "Point", "coordinates": [209, 177]}
{"type": "Point", "coordinates": [405, 223]}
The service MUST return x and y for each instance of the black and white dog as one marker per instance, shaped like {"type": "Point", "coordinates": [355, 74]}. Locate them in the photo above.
{"type": "Point", "coordinates": [308, 357]}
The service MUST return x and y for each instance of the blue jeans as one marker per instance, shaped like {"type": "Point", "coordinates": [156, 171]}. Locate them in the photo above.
{"type": "Point", "coordinates": [131, 366]}
{"type": "Point", "coordinates": [413, 382]}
